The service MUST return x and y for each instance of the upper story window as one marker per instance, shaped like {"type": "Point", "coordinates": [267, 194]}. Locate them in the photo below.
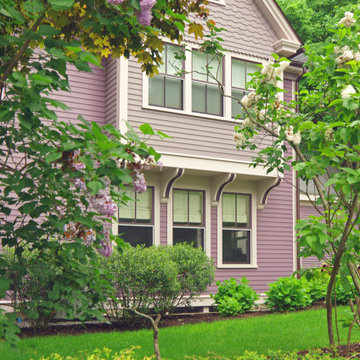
{"type": "Point", "coordinates": [240, 75]}
{"type": "Point", "coordinates": [166, 89]}
{"type": "Point", "coordinates": [207, 71]}
{"type": "Point", "coordinates": [136, 221]}
{"type": "Point", "coordinates": [236, 234]}
{"type": "Point", "coordinates": [188, 217]}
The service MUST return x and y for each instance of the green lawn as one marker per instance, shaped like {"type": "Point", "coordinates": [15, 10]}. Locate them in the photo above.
{"type": "Point", "coordinates": [288, 332]}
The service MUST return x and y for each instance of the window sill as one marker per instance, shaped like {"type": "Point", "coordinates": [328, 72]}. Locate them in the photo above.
{"type": "Point", "coordinates": [190, 113]}
{"type": "Point", "coordinates": [218, 2]}
{"type": "Point", "coordinates": [237, 266]}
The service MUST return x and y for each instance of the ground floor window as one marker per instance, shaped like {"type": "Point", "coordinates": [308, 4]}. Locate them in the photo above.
{"type": "Point", "coordinates": [236, 233]}
{"type": "Point", "coordinates": [188, 217]}
{"type": "Point", "coordinates": [136, 222]}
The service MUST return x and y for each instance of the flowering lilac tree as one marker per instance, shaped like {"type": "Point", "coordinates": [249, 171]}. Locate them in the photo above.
{"type": "Point", "coordinates": [60, 184]}
{"type": "Point", "coordinates": [319, 134]}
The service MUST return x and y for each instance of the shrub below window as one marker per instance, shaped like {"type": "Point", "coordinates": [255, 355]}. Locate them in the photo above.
{"type": "Point", "coordinates": [287, 294]}
{"type": "Point", "coordinates": [318, 281]}
{"type": "Point", "coordinates": [234, 297]}
{"type": "Point", "coordinates": [155, 279]}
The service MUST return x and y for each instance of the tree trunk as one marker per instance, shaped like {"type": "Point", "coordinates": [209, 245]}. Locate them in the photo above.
{"type": "Point", "coordinates": [155, 326]}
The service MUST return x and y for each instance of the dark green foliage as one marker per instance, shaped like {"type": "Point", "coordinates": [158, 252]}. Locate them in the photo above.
{"type": "Point", "coordinates": [318, 280]}
{"type": "Point", "coordinates": [287, 294]}
{"type": "Point", "coordinates": [51, 283]}
{"type": "Point", "coordinates": [155, 279]}
{"type": "Point", "coordinates": [234, 297]}
{"type": "Point", "coordinates": [345, 290]}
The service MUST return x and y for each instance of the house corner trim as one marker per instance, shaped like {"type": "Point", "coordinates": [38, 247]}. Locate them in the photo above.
{"type": "Point", "coordinates": [168, 178]}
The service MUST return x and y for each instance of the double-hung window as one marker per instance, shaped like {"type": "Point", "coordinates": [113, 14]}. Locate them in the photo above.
{"type": "Point", "coordinates": [236, 233]}
{"type": "Point", "coordinates": [136, 220]}
{"type": "Point", "coordinates": [166, 88]}
{"type": "Point", "coordinates": [188, 217]}
{"type": "Point", "coordinates": [240, 76]}
{"type": "Point", "coordinates": [207, 71]}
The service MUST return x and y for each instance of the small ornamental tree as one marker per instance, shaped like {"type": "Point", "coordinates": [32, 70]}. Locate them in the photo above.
{"type": "Point", "coordinates": [321, 141]}
{"type": "Point", "coordinates": [60, 183]}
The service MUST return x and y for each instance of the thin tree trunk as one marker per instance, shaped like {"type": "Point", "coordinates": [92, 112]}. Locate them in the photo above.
{"type": "Point", "coordinates": [356, 316]}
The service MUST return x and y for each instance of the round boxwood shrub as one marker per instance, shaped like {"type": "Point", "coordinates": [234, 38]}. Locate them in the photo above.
{"type": "Point", "coordinates": [155, 279]}
{"type": "Point", "coordinates": [287, 294]}
{"type": "Point", "coordinates": [234, 297]}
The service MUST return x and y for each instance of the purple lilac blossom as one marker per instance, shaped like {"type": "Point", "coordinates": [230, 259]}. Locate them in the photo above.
{"type": "Point", "coordinates": [115, 2]}
{"type": "Point", "coordinates": [105, 248]}
{"type": "Point", "coordinates": [144, 16]}
{"type": "Point", "coordinates": [103, 203]}
{"type": "Point", "coordinates": [139, 183]}
{"type": "Point", "coordinates": [80, 184]}
{"type": "Point", "coordinates": [89, 237]}
{"type": "Point", "coordinates": [78, 166]}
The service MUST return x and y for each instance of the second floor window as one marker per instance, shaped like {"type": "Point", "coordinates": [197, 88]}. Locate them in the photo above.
{"type": "Point", "coordinates": [207, 71]}
{"type": "Point", "coordinates": [188, 217]}
{"type": "Point", "coordinates": [240, 76]}
{"type": "Point", "coordinates": [166, 88]}
{"type": "Point", "coordinates": [136, 218]}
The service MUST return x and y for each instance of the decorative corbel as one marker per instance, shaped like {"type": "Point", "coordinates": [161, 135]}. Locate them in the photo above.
{"type": "Point", "coordinates": [168, 177]}
{"type": "Point", "coordinates": [217, 186]}
{"type": "Point", "coordinates": [264, 188]}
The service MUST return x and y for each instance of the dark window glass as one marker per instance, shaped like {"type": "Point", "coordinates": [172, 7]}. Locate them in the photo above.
{"type": "Point", "coordinates": [137, 235]}
{"type": "Point", "coordinates": [236, 246]}
{"type": "Point", "coordinates": [194, 237]}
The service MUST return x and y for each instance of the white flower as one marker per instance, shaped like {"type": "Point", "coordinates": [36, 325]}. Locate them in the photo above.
{"type": "Point", "coordinates": [284, 65]}
{"type": "Point", "coordinates": [347, 92]}
{"type": "Point", "coordinates": [348, 20]}
{"type": "Point", "coordinates": [289, 133]}
{"type": "Point", "coordinates": [272, 73]}
{"type": "Point", "coordinates": [250, 99]}
{"type": "Point", "coordinates": [262, 114]}
{"type": "Point", "coordinates": [336, 50]}
{"type": "Point", "coordinates": [239, 138]}
{"type": "Point", "coordinates": [357, 56]}
{"type": "Point", "coordinates": [345, 55]}
{"type": "Point", "coordinates": [247, 123]}
{"type": "Point", "coordinates": [297, 138]}
{"type": "Point", "coordinates": [329, 134]}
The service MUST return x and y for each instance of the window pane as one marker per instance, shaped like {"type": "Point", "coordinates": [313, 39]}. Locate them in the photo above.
{"type": "Point", "coordinates": [173, 93]}
{"type": "Point", "coordinates": [236, 108]}
{"type": "Point", "coordinates": [127, 212]}
{"type": "Point", "coordinates": [250, 69]}
{"type": "Point", "coordinates": [215, 70]}
{"type": "Point", "coordinates": [199, 66]}
{"type": "Point", "coordinates": [238, 74]}
{"type": "Point", "coordinates": [144, 206]}
{"type": "Point", "coordinates": [162, 66]}
{"type": "Point", "coordinates": [196, 207]}
{"type": "Point", "coordinates": [236, 246]}
{"type": "Point", "coordinates": [193, 237]}
{"type": "Point", "coordinates": [137, 235]}
{"type": "Point", "coordinates": [156, 90]}
{"type": "Point", "coordinates": [243, 215]}
{"type": "Point", "coordinates": [180, 207]}
{"type": "Point", "coordinates": [228, 209]}
{"type": "Point", "coordinates": [198, 97]}
{"type": "Point", "coordinates": [173, 64]}
{"type": "Point", "coordinates": [214, 100]}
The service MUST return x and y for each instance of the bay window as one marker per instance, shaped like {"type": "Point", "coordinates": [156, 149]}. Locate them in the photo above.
{"type": "Point", "coordinates": [166, 88]}
{"type": "Point", "coordinates": [240, 76]}
{"type": "Point", "coordinates": [207, 71]}
{"type": "Point", "coordinates": [136, 221]}
{"type": "Point", "coordinates": [236, 233]}
{"type": "Point", "coordinates": [188, 217]}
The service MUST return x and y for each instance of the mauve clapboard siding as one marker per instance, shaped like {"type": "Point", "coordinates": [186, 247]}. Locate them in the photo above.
{"type": "Point", "coordinates": [191, 135]}
{"type": "Point", "coordinates": [274, 240]}
{"type": "Point", "coordinates": [86, 97]}
{"type": "Point", "coordinates": [247, 30]}
{"type": "Point", "coordinates": [111, 91]}
{"type": "Point", "coordinates": [163, 223]}
{"type": "Point", "coordinates": [311, 261]}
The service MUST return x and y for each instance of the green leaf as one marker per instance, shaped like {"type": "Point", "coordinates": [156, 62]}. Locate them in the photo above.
{"type": "Point", "coordinates": [94, 186]}
{"type": "Point", "coordinates": [47, 30]}
{"type": "Point", "coordinates": [53, 157]}
{"type": "Point", "coordinates": [61, 4]}
{"type": "Point", "coordinates": [33, 6]}
{"type": "Point", "coordinates": [54, 293]}
{"type": "Point", "coordinates": [90, 58]}
{"type": "Point", "coordinates": [180, 26]}
{"type": "Point", "coordinates": [146, 129]}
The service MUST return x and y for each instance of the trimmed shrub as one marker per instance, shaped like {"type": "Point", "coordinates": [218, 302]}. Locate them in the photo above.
{"type": "Point", "coordinates": [53, 284]}
{"type": "Point", "coordinates": [287, 294]}
{"type": "Point", "coordinates": [155, 279]}
{"type": "Point", "coordinates": [318, 281]}
{"type": "Point", "coordinates": [234, 297]}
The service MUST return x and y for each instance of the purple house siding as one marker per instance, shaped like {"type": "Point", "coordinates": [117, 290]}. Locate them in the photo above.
{"type": "Point", "coordinates": [111, 91]}
{"type": "Point", "coordinates": [87, 96]}
{"type": "Point", "coordinates": [274, 241]}
{"type": "Point", "coordinates": [288, 86]}
{"type": "Point", "coordinates": [163, 224]}
{"type": "Point", "coordinates": [214, 233]}
{"type": "Point", "coordinates": [311, 261]}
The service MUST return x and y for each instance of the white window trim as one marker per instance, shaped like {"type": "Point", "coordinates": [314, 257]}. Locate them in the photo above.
{"type": "Point", "coordinates": [187, 185]}
{"type": "Point", "coordinates": [253, 240]}
{"type": "Point", "coordinates": [219, 2]}
{"type": "Point", "coordinates": [187, 88]}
